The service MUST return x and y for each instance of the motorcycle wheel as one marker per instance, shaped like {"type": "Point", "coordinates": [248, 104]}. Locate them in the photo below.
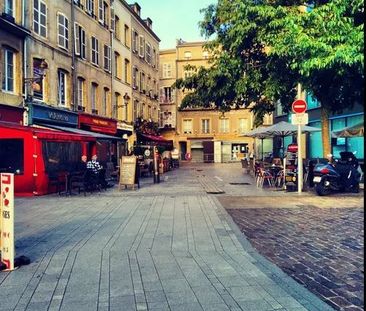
{"type": "Point", "coordinates": [321, 189]}
{"type": "Point", "coordinates": [356, 188]}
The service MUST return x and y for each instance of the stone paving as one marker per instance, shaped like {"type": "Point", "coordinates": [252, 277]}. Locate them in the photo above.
{"type": "Point", "coordinates": [166, 246]}
{"type": "Point", "coordinates": [321, 248]}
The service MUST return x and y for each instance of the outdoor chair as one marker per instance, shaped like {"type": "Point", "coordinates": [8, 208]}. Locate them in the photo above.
{"type": "Point", "coordinates": [263, 176]}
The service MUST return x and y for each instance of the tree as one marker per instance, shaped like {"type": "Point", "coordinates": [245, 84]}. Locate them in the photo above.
{"type": "Point", "coordinates": [262, 49]}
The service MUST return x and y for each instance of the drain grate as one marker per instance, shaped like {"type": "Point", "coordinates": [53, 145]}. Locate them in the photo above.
{"type": "Point", "coordinates": [240, 183]}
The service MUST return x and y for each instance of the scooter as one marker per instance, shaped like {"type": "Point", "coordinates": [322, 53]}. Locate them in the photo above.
{"type": "Point", "coordinates": [337, 175]}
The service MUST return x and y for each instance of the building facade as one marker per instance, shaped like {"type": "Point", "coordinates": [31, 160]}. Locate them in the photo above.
{"type": "Point", "coordinates": [145, 67]}
{"type": "Point", "coordinates": [12, 37]}
{"type": "Point", "coordinates": [202, 135]}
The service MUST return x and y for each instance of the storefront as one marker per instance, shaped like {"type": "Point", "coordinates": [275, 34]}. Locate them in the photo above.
{"type": "Point", "coordinates": [11, 114]}
{"type": "Point", "coordinates": [108, 147]}
{"type": "Point", "coordinates": [36, 156]}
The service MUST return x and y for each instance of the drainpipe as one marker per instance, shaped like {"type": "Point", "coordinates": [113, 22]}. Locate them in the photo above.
{"type": "Point", "coordinates": [25, 69]}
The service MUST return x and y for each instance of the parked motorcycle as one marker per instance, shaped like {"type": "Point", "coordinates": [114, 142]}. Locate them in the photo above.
{"type": "Point", "coordinates": [337, 175]}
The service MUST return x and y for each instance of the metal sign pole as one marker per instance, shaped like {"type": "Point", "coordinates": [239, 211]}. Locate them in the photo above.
{"type": "Point", "coordinates": [299, 160]}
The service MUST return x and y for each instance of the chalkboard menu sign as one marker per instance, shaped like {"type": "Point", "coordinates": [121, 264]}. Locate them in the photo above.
{"type": "Point", "coordinates": [127, 171]}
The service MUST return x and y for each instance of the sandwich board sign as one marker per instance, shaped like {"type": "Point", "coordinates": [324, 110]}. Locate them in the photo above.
{"type": "Point", "coordinates": [127, 174]}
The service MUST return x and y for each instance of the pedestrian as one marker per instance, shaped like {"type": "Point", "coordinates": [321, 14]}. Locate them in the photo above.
{"type": "Point", "coordinates": [82, 165]}
{"type": "Point", "coordinates": [98, 171]}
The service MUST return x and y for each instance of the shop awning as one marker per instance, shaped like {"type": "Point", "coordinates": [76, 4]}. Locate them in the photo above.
{"type": "Point", "coordinates": [47, 133]}
{"type": "Point", "coordinates": [97, 136]}
{"type": "Point", "coordinates": [156, 140]}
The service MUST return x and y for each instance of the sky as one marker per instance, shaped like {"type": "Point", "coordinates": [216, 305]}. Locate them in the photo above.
{"type": "Point", "coordinates": [174, 19]}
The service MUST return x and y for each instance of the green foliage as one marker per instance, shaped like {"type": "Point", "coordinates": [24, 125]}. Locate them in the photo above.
{"type": "Point", "coordinates": [263, 48]}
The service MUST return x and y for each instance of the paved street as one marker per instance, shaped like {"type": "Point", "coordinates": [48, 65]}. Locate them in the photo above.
{"type": "Point", "coordinates": [167, 246]}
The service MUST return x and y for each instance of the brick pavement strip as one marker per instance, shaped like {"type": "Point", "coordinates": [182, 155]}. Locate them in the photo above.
{"type": "Point", "coordinates": [321, 248]}
{"type": "Point", "coordinates": [164, 247]}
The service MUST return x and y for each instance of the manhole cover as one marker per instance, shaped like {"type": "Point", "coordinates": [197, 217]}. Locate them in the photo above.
{"type": "Point", "coordinates": [240, 183]}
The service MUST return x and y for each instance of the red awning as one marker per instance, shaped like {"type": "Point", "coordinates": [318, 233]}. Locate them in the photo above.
{"type": "Point", "coordinates": [154, 138]}
{"type": "Point", "coordinates": [47, 133]}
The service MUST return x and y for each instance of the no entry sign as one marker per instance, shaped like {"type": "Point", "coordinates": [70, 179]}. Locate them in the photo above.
{"type": "Point", "coordinates": [299, 106]}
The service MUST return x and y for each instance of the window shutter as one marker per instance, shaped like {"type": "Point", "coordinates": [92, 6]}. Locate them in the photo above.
{"type": "Point", "coordinates": [101, 11]}
{"type": "Point", "coordinates": [173, 95]}
{"type": "Point", "coordinates": [141, 47]}
{"type": "Point", "coordinates": [113, 20]}
{"type": "Point", "coordinates": [83, 43]}
{"type": "Point", "coordinates": [77, 38]}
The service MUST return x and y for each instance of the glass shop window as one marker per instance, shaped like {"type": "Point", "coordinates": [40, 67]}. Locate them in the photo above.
{"type": "Point", "coordinates": [12, 156]}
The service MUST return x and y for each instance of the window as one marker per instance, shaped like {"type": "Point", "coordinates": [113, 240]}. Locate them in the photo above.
{"type": "Point", "coordinates": [166, 94]}
{"type": "Point", "coordinates": [117, 65]}
{"type": "Point", "coordinates": [127, 71]}
{"type": "Point", "coordinates": [205, 54]}
{"type": "Point", "coordinates": [127, 36]}
{"type": "Point", "coordinates": [141, 46]}
{"type": "Point", "coordinates": [167, 71]}
{"type": "Point", "coordinates": [80, 41]}
{"type": "Point", "coordinates": [187, 126]}
{"type": "Point", "coordinates": [107, 58]}
{"type": "Point", "coordinates": [101, 11]}
{"type": "Point", "coordinates": [205, 126]}
{"type": "Point", "coordinates": [94, 51]}
{"type": "Point", "coordinates": [135, 74]}
{"type": "Point", "coordinates": [153, 58]}
{"type": "Point", "coordinates": [125, 109]}
{"type": "Point", "coordinates": [40, 18]}
{"type": "Point", "coordinates": [90, 7]}
{"type": "Point", "coordinates": [8, 65]}
{"type": "Point", "coordinates": [80, 93]}
{"type": "Point", "coordinates": [148, 53]}
{"type": "Point", "coordinates": [224, 125]}
{"type": "Point", "coordinates": [106, 15]}
{"type": "Point", "coordinates": [243, 126]}
{"type": "Point", "coordinates": [105, 101]}
{"type": "Point", "coordinates": [63, 31]}
{"type": "Point", "coordinates": [117, 28]}
{"type": "Point", "coordinates": [38, 84]}
{"type": "Point", "coordinates": [12, 155]}
{"type": "Point", "coordinates": [142, 82]}
{"type": "Point", "coordinates": [9, 7]}
{"type": "Point", "coordinates": [93, 97]}
{"type": "Point", "coordinates": [135, 38]}
{"type": "Point", "coordinates": [116, 104]}
{"type": "Point", "coordinates": [187, 55]}
{"type": "Point", "coordinates": [188, 73]}
{"type": "Point", "coordinates": [62, 80]}
{"type": "Point", "coordinates": [135, 109]}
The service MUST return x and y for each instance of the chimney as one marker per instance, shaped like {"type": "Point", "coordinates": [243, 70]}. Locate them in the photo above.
{"type": "Point", "coordinates": [136, 8]}
{"type": "Point", "coordinates": [148, 22]}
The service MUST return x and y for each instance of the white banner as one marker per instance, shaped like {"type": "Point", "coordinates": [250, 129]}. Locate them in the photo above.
{"type": "Point", "coordinates": [7, 220]}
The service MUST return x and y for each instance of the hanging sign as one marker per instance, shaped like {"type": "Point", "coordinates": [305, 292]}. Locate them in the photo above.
{"type": "Point", "coordinates": [7, 220]}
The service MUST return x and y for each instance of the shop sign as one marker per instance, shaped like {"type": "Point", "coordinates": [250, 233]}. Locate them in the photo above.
{"type": "Point", "coordinates": [7, 220]}
{"type": "Point", "coordinates": [11, 114]}
{"type": "Point", "coordinates": [44, 114]}
{"type": "Point", "coordinates": [98, 124]}
{"type": "Point", "coordinates": [124, 127]}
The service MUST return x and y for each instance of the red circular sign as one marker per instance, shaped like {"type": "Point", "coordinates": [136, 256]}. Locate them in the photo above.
{"type": "Point", "coordinates": [299, 106]}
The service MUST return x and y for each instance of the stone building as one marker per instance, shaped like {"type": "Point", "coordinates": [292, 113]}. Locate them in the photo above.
{"type": "Point", "coordinates": [12, 36]}
{"type": "Point", "coordinates": [206, 135]}
{"type": "Point", "coordinates": [145, 67]}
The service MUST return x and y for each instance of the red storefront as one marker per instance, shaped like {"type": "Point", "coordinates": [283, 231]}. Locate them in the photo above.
{"type": "Point", "coordinates": [106, 148]}
{"type": "Point", "coordinates": [35, 154]}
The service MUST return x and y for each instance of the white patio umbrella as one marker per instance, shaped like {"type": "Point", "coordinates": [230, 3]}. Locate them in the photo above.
{"type": "Point", "coordinates": [284, 129]}
{"type": "Point", "coordinates": [259, 132]}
